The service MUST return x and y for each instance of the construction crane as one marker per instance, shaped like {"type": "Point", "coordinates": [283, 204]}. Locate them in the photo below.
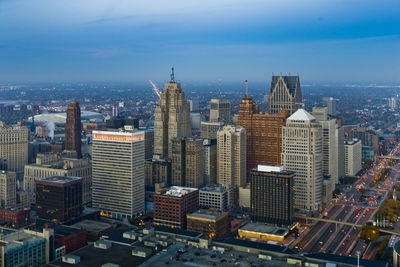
{"type": "Point", "coordinates": [155, 89]}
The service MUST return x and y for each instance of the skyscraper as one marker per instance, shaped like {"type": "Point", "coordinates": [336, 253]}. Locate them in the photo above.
{"type": "Point", "coordinates": [220, 110]}
{"type": "Point", "coordinates": [172, 118]}
{"type": "Point", "coordinates": [272, 195]}
{"type": "Point", "coordinates": [231, 156]}
{"type": "Point", "coordinates": [209, 129]}
{"type": "Point", "coordinates": [14, 147]}
{"type": "Point", "coordinates": [302, 153]}
{"type": "Point", "coordinates": [73, 129]}
{"type": "Point", "coordinates": [8, 189]}
{"type": "Point", "coordinates": [264, 133]}
{"type": "Point", "coordinates": [284, 94]}
{"type": "Point", "coordinates": [210, 161]}
{"type": "Point", "coordinates": [352, 156]}
{"type": "Point", "coordinates": [118, 173]}
{"type": "Point", "coordinates": [331, 104]}
{"type": "Point", "coordinates": [187, 162]}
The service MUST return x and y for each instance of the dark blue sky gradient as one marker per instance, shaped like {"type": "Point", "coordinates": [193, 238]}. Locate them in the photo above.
{"type": "Point", "coordinates": [120, 40]}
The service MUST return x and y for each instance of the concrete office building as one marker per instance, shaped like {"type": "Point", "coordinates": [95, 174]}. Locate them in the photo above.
{"type": "Point", "coordinates": [8, 189]}
{"type": "Point", "coordinates": [231, 156]}
{"type": "Point", "coordinates": [213, 197]}
{"type": "Point", "coordinates": [172, 118]}
{"type": "Point", "coordinates": [173, 204]}
{"type": "Point", "coordinates": [264, 133]}
{"type": "Point", "coordinates": [352, 157]}
{"type": "Point", "coordinates": [52, 164]}
{"type": "Point", "coordinates": [210, 161]}
{"type": "Point", "coordinates": [284, 94]}
{"type": "Point", "coordinates": [220, 110]}
{"type": "Point", "coordinates": [330, 145]}
{"type": "Point", "coordinates": [209, 129]}
{"type": "Point", "coordinates": [331, 104]}
{"type": "Point", "coordinates": [187, 162]}
{"type": "Point", "coordinates": [367, 137]}
{"type": "Point", "coordinates": [302, 154]}
{"type": "Point", "coordinates": [59, 198]}
{"type": "Point", "coordinates": [194, 105]}
{"type": "Point", "coordinates": [14, 147]}
{"type": "Point", "coordinates": [157, 170]}
{"type": "Point", "coordinates": [272, 195]}
{"type": "Point", "coordinates": [118, 173]}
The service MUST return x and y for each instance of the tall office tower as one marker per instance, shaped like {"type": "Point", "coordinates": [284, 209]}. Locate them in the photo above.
{"type": "Point", "coordinates": [392, 103]}
{"type": "Point", "coordinates": [187, 162]}
{"type": "Point", "coordinates": [194, 105]}
{"type": "Point", "coordinates": [231, 156]}
{"type": "Point", "coordinates": [171, 206]}
{"type": "Point", "coordinates": [73, 129]}
{"type": "Point", "coordinates": [330, 146]}
{"type": "Point", "coordinates": [157, 170]}
{"type": "Point", "coordinates": [284, 94]}
{"type": "Point", "coordinates": [172, 118]}
{"type": "Point", "coordinates": [59, 198]}
{"type": "Point", "coordinates": [367, 137]}
{"type": "Point", "coordinates": [148, 144]}
{"type": "Point", "coordinates": [209, 129]}
{"type": "Point", "coordinates": [118, 173]}
{"type": "Point", "coordinates": [352, 157]}
{"type": "Point", "coordinates": [178, 161]}
{"type": "Point", "coordinates": [264, 133]}
{"type": "Point", "coordinates": [272, 195]}
{"type": "Point", "coordinates": [210, 161]}
{"type": "Point", "coordinates": [331, 104]}
{"type": "Point", "coordinates": [14, 147]}
{"type": "Point", "coordinates": [51, 164]}
{"type": "Point", "coordinates": [194, 162]}
{"type": "Point", "coordinates": [220, 110]}
{"type": "Point", "coordinates": [302, 153]}
{"type": "Point", "coordinates": [195, 118]}
{"type": "Point", "coordinates": [339, 136]}
{"type": "Point", "coordinates": [8, 189]}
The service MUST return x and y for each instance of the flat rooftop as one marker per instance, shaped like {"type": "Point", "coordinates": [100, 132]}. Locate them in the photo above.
{"type": "Point", "coordinates": [265, 229]}
{"type": "Point", "coordinates": [213, 188]}
{"type": "Point", "coordinates": [13, 239]}
{"type": "Point", "coordinates": [207, 214]}
{"type": "Point", "coordinates": [92, 226]}
{"type": "Point", "coordinates": [178, 191]}
{"type": "Point", "coordinates": [59, 179]}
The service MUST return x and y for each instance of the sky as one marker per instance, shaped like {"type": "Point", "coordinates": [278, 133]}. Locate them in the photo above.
{"type": "Point", "coordinates": [208, 40]}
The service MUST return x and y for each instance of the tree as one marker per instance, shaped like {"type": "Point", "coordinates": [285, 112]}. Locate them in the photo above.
{"type": "Point", "coordinates": [369, 233]}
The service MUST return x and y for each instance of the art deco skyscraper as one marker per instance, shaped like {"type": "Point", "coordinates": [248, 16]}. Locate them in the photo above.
{"type": "Point", "coordinates": [284, 94]}
{"type": "Point", "coordinates": [73, 129]}
{"type": "Point", "coordinates": [172, 118]}
{"type": "Point", "coordinates": [302, 153]}
{"type": "Point", "coordinates": [264, 133]}
{"type": "Point", "coordinates": [231, 156]}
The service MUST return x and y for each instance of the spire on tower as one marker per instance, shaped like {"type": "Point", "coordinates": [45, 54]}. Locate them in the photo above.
{"type": "Point", "coordinates": [172, 75]}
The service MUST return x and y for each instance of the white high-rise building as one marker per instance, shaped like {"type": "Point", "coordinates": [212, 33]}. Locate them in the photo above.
{"type": "Point", "coordinates": [118, 173]}
{"type": "Point", "coordinates": [302, 153]}
{"type": "Point", "coordinates": [231, 156]}
{"type": "Point", "coordinates": [352, 157]}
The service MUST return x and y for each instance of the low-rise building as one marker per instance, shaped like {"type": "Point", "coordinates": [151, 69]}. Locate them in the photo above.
{"type": "Point", "coordinates": [213, 197]}
{"type": "Point", "coordinates": [214, 224]}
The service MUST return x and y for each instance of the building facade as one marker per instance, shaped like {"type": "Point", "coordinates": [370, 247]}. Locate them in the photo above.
{"type": "Point", "coordinates": [302, 154]}
{"type": "Point", "coordinates": [284, 94]}
{"type": "Point", "coordinates": [73, 129]}
{"type": "Point", "coordinates": [157, 170]}
{"type": "Point", "coordinates": [213, 197]}
{"type": "Point", "coordinates": [210, 161]}
{"type": "Point", "coordinates": [231, 156]}
{"type": "Point", "coordinates": [51, 164]}
{"type": "Point", "coordinates": [209, 129]}
{"type": "Point", "coordinates": [213, 224]}
{"type": "Point", "coordinates": [118, 173]}
{"type": "Point", "coordinates": [272, 195]}
{"type": "Point", "coordinates": [264, 133]}
{"type": "Point", "coordinates": [8, 189]}
{"type": "Point", "coordinates": [220, 110]}
{"type": "Point", "coordinates": [59, 198]}
{"type": "Point", "coordinates": [173, 204]}
{"type": "Point", "coordinates": [14, 147]}
{"type": "Point", "coordinates": [172, 118]}
{"type": "Point", "coordinates": [352, 157]}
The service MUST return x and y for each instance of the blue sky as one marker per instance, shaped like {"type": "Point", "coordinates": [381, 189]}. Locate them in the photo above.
{"type": "Point", "coordinates": [130, 40]}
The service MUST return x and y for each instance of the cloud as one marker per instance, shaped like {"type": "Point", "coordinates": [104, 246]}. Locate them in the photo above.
{"type": "Point", "coordinates": [95, 52]}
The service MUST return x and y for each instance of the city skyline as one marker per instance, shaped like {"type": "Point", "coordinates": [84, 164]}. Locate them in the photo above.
{"type": "Point", "coordinates": [125, 41]}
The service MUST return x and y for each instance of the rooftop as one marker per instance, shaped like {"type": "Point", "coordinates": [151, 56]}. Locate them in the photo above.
{"type": "Point", "coordinates": [13, 239]}
{"type": "Point", "coordinates": [265, 229]}
{"type": "Point", "coordinates": [213, 188]}
{"type": "Point", "coordinates": [92, 226]}
{"type": "Point", "coordinates": [269, 168]}
{"type": "Point", "coordinates": [164, 229]}
{"type": "Point", "coordinates": [301, 115]}
{"type": "Point", "coordinates": [59, 179]}
{"type": "Point", "coordinates": [207, 214]}
{"type": "Point", "coordinates": [178, 191]}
